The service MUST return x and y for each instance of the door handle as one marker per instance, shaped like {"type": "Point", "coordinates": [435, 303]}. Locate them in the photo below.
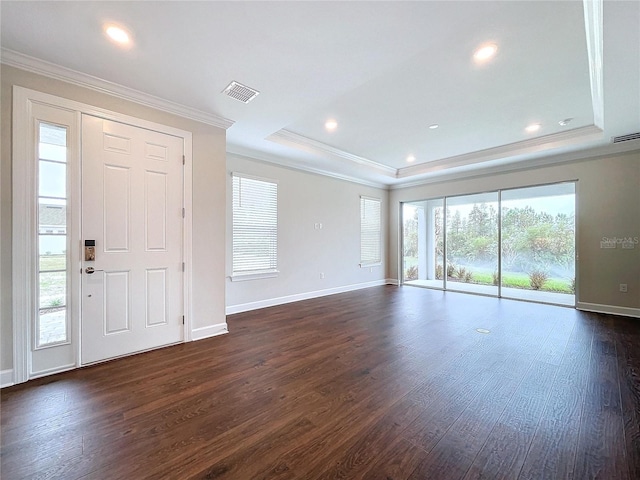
{"type": "Point", "coordinates": [90, 270]}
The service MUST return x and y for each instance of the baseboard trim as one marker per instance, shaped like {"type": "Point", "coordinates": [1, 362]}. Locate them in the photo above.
{"type": "Point", "coordinates": [272, 302]}
{"type": "Point", "coordinates": [209, 331]}
{"type": "Point", "coordinates": [611, 309]}
{"type": "Point", "coordinates": [53, 371]}
{"type": "Point", "coordinates": [392, 281]}
{"type": "Point", "coordinates": [6, 378]}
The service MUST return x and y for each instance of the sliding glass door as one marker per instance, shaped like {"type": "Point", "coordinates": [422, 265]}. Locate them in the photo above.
{"type": "Point", "coordinates": [538, 243]}
{"type": "Point", "coordinates": [472, 243]}
{"type": "Point", "coordinates": [516, 243]}
{"type": "Point", "coordinates": [423, 243]}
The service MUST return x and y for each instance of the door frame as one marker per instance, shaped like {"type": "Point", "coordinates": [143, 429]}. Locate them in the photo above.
{"type": "Point", "coordinates": [24, 216]}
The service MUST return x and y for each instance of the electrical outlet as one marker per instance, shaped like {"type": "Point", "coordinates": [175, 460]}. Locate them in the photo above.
{"type": "Point", "coordinates": [623, 287]}
{"type": "Point", "coordinates": [322, 276]}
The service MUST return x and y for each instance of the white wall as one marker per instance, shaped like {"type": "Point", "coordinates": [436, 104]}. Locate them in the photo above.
{"type": "Point", "coordinates": [304, 252]}
{"type": "Point", "coordinates": [608, 205]}
{"type": "Point", "coordinates": [209, 144]}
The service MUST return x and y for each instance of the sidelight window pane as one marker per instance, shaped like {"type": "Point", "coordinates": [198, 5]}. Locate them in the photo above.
{"type": "Point", "coordinates": [56, 153]}
{"type": "Point", "coordinates": [53, 262]}
{"type": "Point", "coordinates": [52, 179]}
{"type": "Point", "coordinates": [53, 143]}
{"type": "Point", "coordinates": [53, 289]}
{"type": "Point", "coordinates": [52, 321]}
{"type": "Point", "coordinates": [52, 326]}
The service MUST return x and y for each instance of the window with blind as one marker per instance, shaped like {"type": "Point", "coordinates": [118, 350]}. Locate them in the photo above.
{"type": "Point", "coordinates": [370, 234]}
{"type": "Point", "coordinates": [255, 227]}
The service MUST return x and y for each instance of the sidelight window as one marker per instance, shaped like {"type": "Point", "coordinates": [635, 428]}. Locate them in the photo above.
{"type": "Point", "coordinates": [51, 321]}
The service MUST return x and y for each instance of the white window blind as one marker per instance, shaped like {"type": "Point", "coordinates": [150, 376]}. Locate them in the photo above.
{"type": "Point", "coordinates": [255, 225]}
{"type": "Point", "coordinates": [370, 235]}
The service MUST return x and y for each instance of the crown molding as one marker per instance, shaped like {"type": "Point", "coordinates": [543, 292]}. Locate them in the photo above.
{"type": "Point", "coordinates": [290, 139]}
{"type": "Point", "coordinates": [51, 70]}
{"type": "Point", "coordinates": [241, 153]}
{"type": "Point", "coordinates": [531, 146]}
{"type": "Point", "coordinates": [548, 161]}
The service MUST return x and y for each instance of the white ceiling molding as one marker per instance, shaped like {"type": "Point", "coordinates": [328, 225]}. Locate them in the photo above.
{"type": "Point", "coordinates": [594, 30]}
{"type": "Point", "coordinates": [290, 164]}
{"type": "Point", "coordinates": [41, 67]}
{"type": "Point", "coordinates": [533, 145]}
{"type": "Point", "coordinates": [568, 157]}
{"type": "Point", "coordinates": [290, 139]}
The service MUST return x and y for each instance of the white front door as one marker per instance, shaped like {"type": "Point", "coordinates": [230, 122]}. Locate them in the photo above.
{"type": "Point", "coordinates": [132, 210]}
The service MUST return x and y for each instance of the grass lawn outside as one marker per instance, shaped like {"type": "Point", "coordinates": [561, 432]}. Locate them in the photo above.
{"type": "Point", "coordinates": [53, 283]}
{"type": "Point", "coordinates": [509, 279]}
{"type": "Point", "coordinates": [521, 280]}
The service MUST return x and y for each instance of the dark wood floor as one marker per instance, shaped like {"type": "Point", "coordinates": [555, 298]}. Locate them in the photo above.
{"type": "Point", "coordinates": [383, 383]}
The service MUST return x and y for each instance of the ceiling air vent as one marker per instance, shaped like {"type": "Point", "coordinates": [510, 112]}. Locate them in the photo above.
{"type": "Point", "coordinates": [240, 92]}
{"type": "Point", "coordinates": [626, 138]}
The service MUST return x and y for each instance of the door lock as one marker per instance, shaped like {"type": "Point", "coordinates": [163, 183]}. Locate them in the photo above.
{"type": "Point", "coordinates": [89, 250]}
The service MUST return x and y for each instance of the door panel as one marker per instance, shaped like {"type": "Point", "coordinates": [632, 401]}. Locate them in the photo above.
{"type": "Point", "coordinates": [117, 213]}
{"type": "Point", "coordinates": [132, 183]}
{"type": "Point", "coordinates": [156, 211]}
{"type": "Point", "coordinates": [116, 299]}
{"type": "Point", "coordinates": [156, 295]}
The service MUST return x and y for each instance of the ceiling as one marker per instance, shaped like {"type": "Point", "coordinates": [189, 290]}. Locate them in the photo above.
{"type": "Point", "coordinates": [384, 71]}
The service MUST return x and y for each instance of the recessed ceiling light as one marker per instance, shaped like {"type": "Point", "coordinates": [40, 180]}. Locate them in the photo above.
{"type": "Point", "coordinates": [434, 126]}
{"type": "Point", "coordinates": [411, 158]}
{"type": "Point", "coordinates": [534, 127]}
{"type": "Point", "coordinates": [485, 52]}
{"type": "Point", "coordinates": [331, 125]}
{"type": "Point", "coordinates": [565, 122]}
{"type": "Point", "coordinates": [117, 34]}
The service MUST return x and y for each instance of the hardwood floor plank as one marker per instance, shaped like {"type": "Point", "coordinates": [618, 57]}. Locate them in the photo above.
{"type": "Point", "coordinates": [553, 448]}
{"type": "Point", "coordinates": [629, 378]}
{"type": "Point", "coordinates": [354, 461]}
{"type": "Point", "coordinates": [505, 450]}
{"type": "Point", "coordinates": [396, 462]}
{"type": "Point", "coordinates": [383, 383]}
{"type": "Point", "coordinates": [601, 447]}
{"type": "Point", "coordinates": [243, 464]}
{"type": "Point", "coordinates": [456, 450]}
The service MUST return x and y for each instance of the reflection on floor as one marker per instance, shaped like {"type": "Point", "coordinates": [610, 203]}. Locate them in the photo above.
{"type": "Point", "coordinates": [507, 292]}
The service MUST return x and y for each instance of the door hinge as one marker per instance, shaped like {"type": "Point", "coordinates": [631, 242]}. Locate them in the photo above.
{"type": "Point", "coordinates": [183, 266]}
{"type": "Point", "coordinates": [183, 160]}
{"type": "Point", "coordinates": [183, 319]}
{"type": "Point", "coordinates": [183, 213]}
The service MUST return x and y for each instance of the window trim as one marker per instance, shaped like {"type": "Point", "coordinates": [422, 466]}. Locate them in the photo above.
{"type": "Point", "coordinates": [242, 276]}
{"type": "Point", "coordinates": [378, 261]}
